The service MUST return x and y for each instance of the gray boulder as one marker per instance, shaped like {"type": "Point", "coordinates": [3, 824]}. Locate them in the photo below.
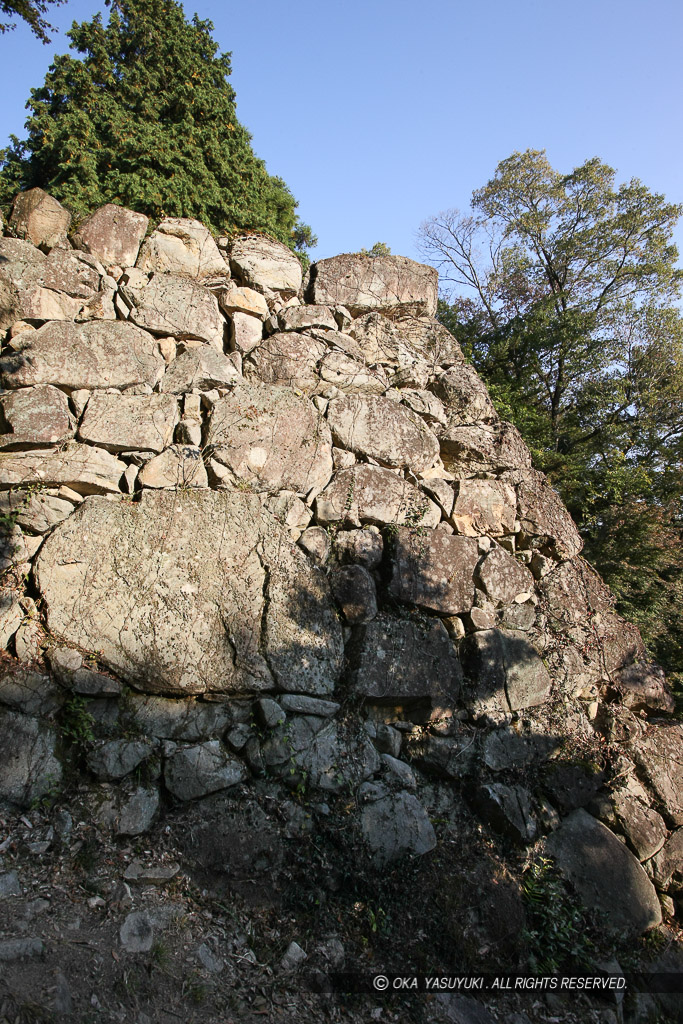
{"type": "Point", "coordinates": [112, 234]}
{"type": "Point", "coordinates": [368, 494]}
{"type": "Point", "coordinates": [364, 284]}
{"type": "Point", "coordinates": [39, 219]}
{"type": "Point", "coordinates": [175, 305]}
{"type": "Point", "coordinates": [396, 826]}
{"type": "Point", "coordinates": [35, 417]}
{"type": "Point", "coordinates": [466, 450]}
{"type": "Point", "coordinates": [34, 286]}
{"type": "Point", "coordinates": [78, 466]}
{"type": "Point", "coordinates": [122, 423]}
{"type": "Point", "coordinates": [179, 466]}
{"type": "Point", "coordinates": [192, 772]}
{"type": "Point", "coordinates": [504, 672]}
{"type": "Point", "coordinates": [433, 569]}
{"type": "Point", "coordinates": [542, 514]}
{"type": "Point", "coordinates": [390, 433]}
{"type": "Point", "coordinates": [116, 758]}
{"type": "Point", "coordinates": [101, 354]}
{"type": "Point", "coordinates": [484, 507]}
{"type": "Point", "coordinates": [464, 396]}
{"type": "Point", "coordinates": [266, 265]}
{"type": "Point", "coordinates": [289, 359]}
{"type": "Point", "coordinates": [184, 247]}
{"type": "Point", "coordinates": [606, 875]}
{"type": "Point", "coordinates": [657, 754]}
{"type": "Point", "coordinates": [200, 367]}
{"type": "Point", "coordinates": [503, 578]}
{"type": "Point", "coordinates": [29, 767]}
{"type": "Point", "coordinates": [271, 439]}
{"type": "Point", "coordinates": [353, 588]}
{"type": "Point", "coordinates": [507, 809]}
{"type": "Point", "coordinates": [190, 592]}
{"type": "Point", "coordinates": [396, 660]}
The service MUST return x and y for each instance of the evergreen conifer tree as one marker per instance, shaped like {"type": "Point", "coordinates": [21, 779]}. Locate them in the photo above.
{"type": "Point", "coordinates": [147, 119]}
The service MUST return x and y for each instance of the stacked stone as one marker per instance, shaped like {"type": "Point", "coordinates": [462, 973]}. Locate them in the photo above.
{"type": "Point", "coordinates": [231, 496]}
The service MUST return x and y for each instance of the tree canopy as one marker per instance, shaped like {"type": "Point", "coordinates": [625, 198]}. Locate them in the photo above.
{"type": "Point", "coordinates": [30, 11]}
{"type": "Point", "coordinates": [146, 118]}
{"type": "Point", "coordinates": [564, 295]}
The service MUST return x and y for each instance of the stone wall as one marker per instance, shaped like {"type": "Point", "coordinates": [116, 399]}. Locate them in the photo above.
{"type": "Point", "coordinates": [265, 529]}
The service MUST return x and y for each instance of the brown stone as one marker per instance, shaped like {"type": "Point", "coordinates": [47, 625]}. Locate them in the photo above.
{"type": "Point", "coordinates": [112, 234]}
{"type": "Point", "coordinates": [289, 359]}
{"type": "Point", "coordinates": [365, 284]}
{"type": "Point", "coordinates": [379, 428]}
{"type": "Point", "coordinates": [370, 494]}
{"type": "Point", "coordinates": [503, 577]}
{"type": "Point", "coordinates": [36, 416]}
{"type": "Point", "coordinates": [39, 219]}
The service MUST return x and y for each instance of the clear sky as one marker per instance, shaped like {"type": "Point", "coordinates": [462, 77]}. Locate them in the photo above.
{"type": "Point", "coordinates": [378, 114]}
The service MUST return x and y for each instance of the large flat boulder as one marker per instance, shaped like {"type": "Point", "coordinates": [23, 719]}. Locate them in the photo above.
{"type": "Point", "coordinates": [394, 661]}
{"type": "Point", "coordinates": [34, 286]}
{"type": "Point", "coordinates": [384, 430]}
{"type": "Point", "coordinates": [365, 284]}
{"type": "Point", "coordinates": [289, 359]}
{"type": "Point", "coordinates": [182, 246]}
{"type": "Point", "coordinates": [503, 671]}
{"type": "Point", "coordinates": [266, 265]}
{"type": "Point", "coordinates": [606, 875]}
{"type": "Point", "coordinates": [112, 234]}
{"type": "Point", "coordinates": [477, 448]}
{"type": "Point", "coordinates": [434, 570]}
{"type": "Point", "coordinates": [39, 219]}
{"type": "Point", "coordinates": [170, 304]}
{"type": "Point", "coordinates": [405, 341]}
{"type": "Point", "coordinates": [190, 592]}
{"type": "Point", "coordinates": [121, 423]}
{"type": "Point", "coordinates": [271, 439]}
{"type": "Point", "coordinates": [351, 376]}
{"type": "Point", "coordinates": [368, 494]}
{"type": "Point", "coordinates": [84, 469]}
{"type": "Point", "coordinates": [100, 354]}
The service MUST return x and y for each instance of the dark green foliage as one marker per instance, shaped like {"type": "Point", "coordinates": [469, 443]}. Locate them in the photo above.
{"type": "Point", "coordinates": [30, 11]}
{"type": "Point", "coordinates": [571, 319]}
{"type": "Point", "coordinates": [147, 119]}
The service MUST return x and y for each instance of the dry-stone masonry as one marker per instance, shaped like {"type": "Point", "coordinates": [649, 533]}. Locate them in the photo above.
{"type": "Point", "coordinates": [272, 531]}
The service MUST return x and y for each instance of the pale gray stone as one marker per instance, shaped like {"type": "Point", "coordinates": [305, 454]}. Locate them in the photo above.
{"type": "Point", "coordinates": [383, 430]}
{"type": "Point", "coordinates": [503, 577]}
{"type": "Point", "coordinates": [29, 768]}
{"type": "Point", "coordinates": [425, 404]}
{"type": "Point", "coordinates": [112, 234]}
{"type": "Point", "coordinates": [433, 570]}
{"type": "Point", "coordinates": [298, 703]}
{"type": "Point", "coordinates": [390, 284]}
{"type": "Point", "coordinates": [606, 875]}
{"type": "Point", "coordinates": [137, 932]}
{"type": "Point", "coordinates": [363, 547]}
{"type": "Point", "coordinates": [289, 359]}
{"type": "Point", "coordinates": [271, 439]}
{"type": "Point", "coordinates": [371, 494]}
{"type": "Point", "coordinates": [296, 318]}
{"type": "Point", "coordinates": [351, 376]}
{"type": "Point", "coordinates": [85, 469]}
{"type": "Point", "coordinates": [483, 507]}
{"type": "Point", "coordinates": [396, 826]}
{"type": "Point", "coordinates": [657, 754]}
{"type": "Point", "coordinates": [179, 466]}
{"type": "Point", "coordinates": [100, 354]}
{"type": "Point", "coordinates": [121, 423]}
{"type": "Point", "coordinates": [192, 772]}
{"type": "Point", "coordinates": [39, 219]}
{"type": "Point", "coordinates": [182, 246]}
{"type": "Point", "coordinates": [116, 758]}
{"type": "Point", "coordinates": [35, 417]}
{"type": "Point", "coordinates": [190, 591]}
{"type": "Point", "coordinates": [316, 543]}
{"type": "Point", "coordinates": [38, 287]}
{"type": "Point", "coordinates": [174, 305]}
{"type": "Point", "coordinates": [266, 265]}
{"type": "Point", "coordinates": [542, 514]}
{"type": "Point", "coordinates": [246, 332]}
{"type": "Point", "coordinates": [37, 511]}
{"type": "Point", "coordinates": [200, 367]}
{"type": "Point", "coordinates": [9, 884]}
{"type": "Point", "coordinates": [469, 449]}
{"type": "Point", "coordinates": [11, 616]}
{"type": "Point", "coordinates": [464, 396]}
{"type": "Point", "coordinates": [30, 692]}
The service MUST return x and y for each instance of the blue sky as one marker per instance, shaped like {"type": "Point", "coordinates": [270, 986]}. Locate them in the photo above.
{"type": "Point", "coordinates": [378, 114]}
